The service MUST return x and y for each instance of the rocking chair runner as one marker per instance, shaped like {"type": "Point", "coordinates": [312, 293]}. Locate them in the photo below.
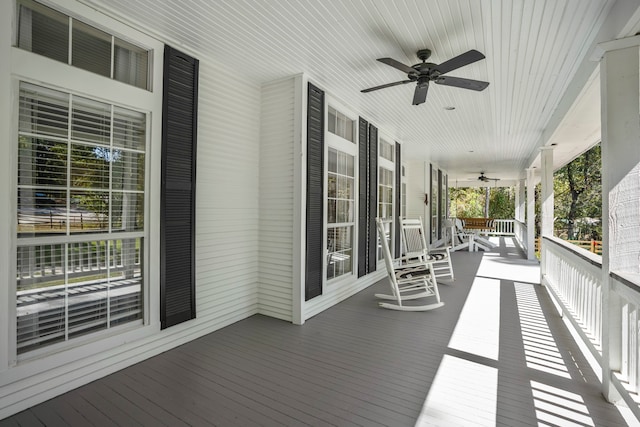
{"type": "Point", "coordinates": [415, 247]}
{"type": "Point", "coordinates": [408, 281]}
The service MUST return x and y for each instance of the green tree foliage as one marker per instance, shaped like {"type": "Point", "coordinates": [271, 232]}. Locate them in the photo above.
{"type": "Point", "coordinates": [469, 202]}
{"type": "Point", "coordinates": [578, 197]}
{"type": "Point", "coordinates": [466, 202]}
{"type": "Point", "coordinates": [502, 203]}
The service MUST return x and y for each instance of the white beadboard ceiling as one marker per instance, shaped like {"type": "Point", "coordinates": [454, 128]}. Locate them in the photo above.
{"type": "Point", "coordinates": [542, 90]}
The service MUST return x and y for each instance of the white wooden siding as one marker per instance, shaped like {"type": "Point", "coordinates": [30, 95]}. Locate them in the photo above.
{"type": "Point", "coordinates": [277, 124]}
{"type": "Point", "coordinates": [227, 195]}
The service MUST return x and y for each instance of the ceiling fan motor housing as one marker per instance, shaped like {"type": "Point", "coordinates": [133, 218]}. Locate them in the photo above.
{"type": "Point", "coordinates": [424, 54]}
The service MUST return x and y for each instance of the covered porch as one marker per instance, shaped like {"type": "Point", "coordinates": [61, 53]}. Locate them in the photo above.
{"type": "Point", "coordinates": [258, 307]}
{"type": "Point", "coordinates": [497, 353]}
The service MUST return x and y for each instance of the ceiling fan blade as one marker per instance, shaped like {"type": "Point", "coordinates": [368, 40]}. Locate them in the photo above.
{"type": "Point", "coordinates": [420, 95]}
{"type": "Point", "coordinates": [462, 83]}
{"type": "Point", "coordinates": [371, 89]}
{"type": "Point", "coordinates": [459, 61]}
{"type": "Point", "coordinates": [398, 65]}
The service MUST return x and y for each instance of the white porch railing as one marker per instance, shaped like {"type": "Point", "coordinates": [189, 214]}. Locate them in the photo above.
{"type": "Point", "coordinates": [503, 227]}
{"type": "Point", "coordinates": [626, 313]}
{"type": "Point", "coordinates": [573, 276]}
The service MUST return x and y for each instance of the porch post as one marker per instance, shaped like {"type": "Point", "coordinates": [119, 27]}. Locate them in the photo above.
{"type": "Point", "coordinates": [520, 200]}
{"type": "Point", "coordinates": [546, 200]}
{"type": "Point", "coordinates": [620, 108]}
{"type": "Point", "coordinates": [531, 214]}
{"type": "Point", "coordinates": [546, 204]}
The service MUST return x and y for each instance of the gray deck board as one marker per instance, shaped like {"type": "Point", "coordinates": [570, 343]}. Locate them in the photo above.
{"type": "Point", "coordinates": [358, 365]}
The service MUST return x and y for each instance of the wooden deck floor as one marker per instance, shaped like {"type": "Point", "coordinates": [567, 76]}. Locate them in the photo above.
{"type": "Point", "coordinates": [495, 354]}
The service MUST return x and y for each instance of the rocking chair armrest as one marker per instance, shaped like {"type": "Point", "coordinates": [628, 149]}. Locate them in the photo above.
{"type": "Point", "coordinates": [441, 249]}
{"type": "Point", "coordinates": [411, 260]}
{"type": "Point", "coordinates": [412, 265]}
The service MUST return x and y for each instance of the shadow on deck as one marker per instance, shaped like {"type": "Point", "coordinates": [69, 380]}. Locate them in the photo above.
{"type": "Point", "coordinates": [496, 354]}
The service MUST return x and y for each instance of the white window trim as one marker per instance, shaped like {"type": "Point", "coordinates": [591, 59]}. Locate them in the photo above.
{"type": "Point", "coordinates": [39, 70]}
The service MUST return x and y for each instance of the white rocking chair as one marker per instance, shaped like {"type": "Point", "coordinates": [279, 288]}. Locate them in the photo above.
{"type": "Point", "coordinates": [408, 281]}
{"type": "Point", "coordinates": [466, 239]}
{"type": "Point", "coordinates": [415, 248]}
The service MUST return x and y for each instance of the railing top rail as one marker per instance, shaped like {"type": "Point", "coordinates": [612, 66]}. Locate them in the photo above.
{"type": "Point", "coordinates": [590, 257]}
{"type": "Point", "coordinates": [630, 280]}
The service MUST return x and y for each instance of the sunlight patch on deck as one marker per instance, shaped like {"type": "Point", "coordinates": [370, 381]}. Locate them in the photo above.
{"type": "Point", "coordinates": [512, 268]}
{"type": "Point", "coordinates": [463, 393]}
{"type": "Point", "coordinates": [555, 406]}
{"type": "Point", "coordinates": [478, 328]}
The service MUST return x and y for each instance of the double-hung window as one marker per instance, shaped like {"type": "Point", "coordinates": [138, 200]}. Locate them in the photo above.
{"type": "Point", "coordinates": [341, 194]}
{"type": "Point", "coordinates": [81, 179]}
{"type": "Point", "coordinates": [386, 183]}
{"type": "Point", "coordinates": [81, 185]}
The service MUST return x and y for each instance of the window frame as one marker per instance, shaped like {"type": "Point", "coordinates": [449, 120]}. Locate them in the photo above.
{"type": "Point", "coordinates": [351, 148]}
{"type": "Point", "coordinates": [36, 69]}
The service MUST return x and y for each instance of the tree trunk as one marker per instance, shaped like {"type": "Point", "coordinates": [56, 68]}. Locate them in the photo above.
{"type": "Point", "coordinates": [575, 194]}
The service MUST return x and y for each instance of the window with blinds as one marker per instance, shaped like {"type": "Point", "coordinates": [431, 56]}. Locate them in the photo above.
{"type": "Point", "coordinates": [340, 213]}
{"type": "Point", "coordinates": [341, 125]}
{"type": "Point", "coordinates": [385, 205]}
{"type": "Point", "coordinates": [80, 219]}
{"type": "Point", "coordinates": [386, 150]}
{"type": "Point", "coordinates": [45, 31]}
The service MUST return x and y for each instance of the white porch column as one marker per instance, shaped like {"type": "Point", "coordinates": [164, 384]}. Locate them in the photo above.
{"type": "Point", "coordinates": [531, 214]}
{"type": "Point", "coordinates": [520, 200]}
{"type": "Point", "coordinates": [546, 200]}
{"type": "Point", "coordinates": [620, 109]}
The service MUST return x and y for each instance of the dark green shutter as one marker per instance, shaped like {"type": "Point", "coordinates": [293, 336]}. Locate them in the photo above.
{"type": "Point", "coordinates": [178, 190]}
{"type": "Point", "coordinates": [363, 210]}
{"type": "Point", "coordinates": [398, 199]}
{"type": "Point", "coordinates": [372, 183]}
{"type": "Point", "coordinates": [315, 192]}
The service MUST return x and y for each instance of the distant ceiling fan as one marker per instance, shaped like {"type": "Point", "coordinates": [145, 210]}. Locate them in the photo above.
{"type": "Point", "coordinates": [484, 178]}
{"type": "Point", "coordinates": [425, 72]}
